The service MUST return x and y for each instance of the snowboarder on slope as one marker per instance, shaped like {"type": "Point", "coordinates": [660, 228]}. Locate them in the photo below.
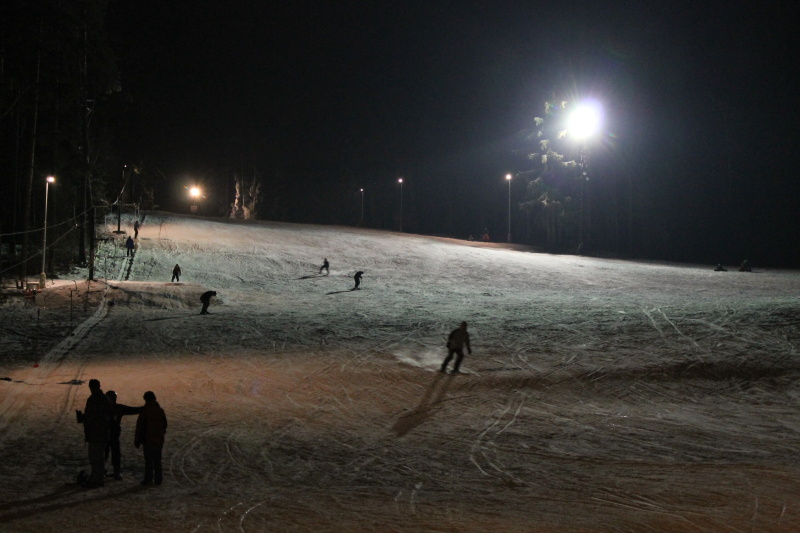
{"type": "Point", "coordinates": [455, 345]}
{"type": "Point", "coordinates": [176, 273]}
{"type": "Point", "coordinates": [357, 279]}
{"type": "Point", "coordinates": [151, 426]}
{"type": "Point", "coordinates": [326, 267]}
{"type": "Point", "coordinates": [206, 299]}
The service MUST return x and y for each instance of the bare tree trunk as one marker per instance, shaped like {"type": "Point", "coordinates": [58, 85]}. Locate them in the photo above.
{"type": "Point", "coordinates": [27, 222]}
{"type": "Point", "coordinates": [87, 183]}
{"type": "Point", "coordinates": [236, 198]}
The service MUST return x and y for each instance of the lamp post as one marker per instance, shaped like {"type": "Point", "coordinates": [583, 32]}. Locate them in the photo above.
{"type": "Point", "coordinates": [400, 181]}
{"type": "Point", "coordinates": [362, 207]}
{"type": "Point", "coordinates": [194, 192]}
{"type": "Point", "coordinates": [584, 122]}
{"type": "Point", "coordinates": [43, 276]}
{"type": "Point", "coordinates": [508, 179]}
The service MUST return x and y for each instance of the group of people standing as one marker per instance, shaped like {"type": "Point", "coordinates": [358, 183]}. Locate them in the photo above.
{"type": "Point", "coordinates": [102, 427]}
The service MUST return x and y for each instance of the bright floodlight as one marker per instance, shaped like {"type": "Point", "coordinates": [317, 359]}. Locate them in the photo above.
{"type": "Point", "coordinates": [194, 192]}
{"type": "Point", "coordinates": [508, 177]}
{"type": "Point", "coordinates": [400, 180]}
{"type": "Point", "coordinates": [51, 179]}
{"type": "Point", "coordinates": [584, 121]}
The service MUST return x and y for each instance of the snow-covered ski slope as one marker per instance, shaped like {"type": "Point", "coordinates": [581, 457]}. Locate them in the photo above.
{"type": "Point", "coordinates": [602, 395]}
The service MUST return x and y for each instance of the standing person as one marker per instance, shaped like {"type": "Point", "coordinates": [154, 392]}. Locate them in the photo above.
{"type": "Point", "coordinates": [129, 246]}
{"type": "Point", "coordinates": [206, 299]}
{"type": "Point", "coordinates": [118, 411]}
{"type": "Point", "coordinates": [325, 266]}
{"type": "Point", "coordinates": [176, 273]}
{"type": "Point", "coordinates": [96, 418]}
{"type": "Point", "coordinates": [455, 345]}
{"type": "Point", "coordinates": [357, 279]}
{"type": "Point", "coordinates": [136, 229]}
{"type": "Point", "coordinates": [151, 426]}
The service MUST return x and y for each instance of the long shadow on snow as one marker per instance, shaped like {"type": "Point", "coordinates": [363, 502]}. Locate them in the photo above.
{"type": "Point", "coordinates": [339, 292]}
{"type": "Point", "coordinates": [682, 371]}
{"type": "Point", "coordinates": [91, 498]}
{"type": "Point", "coordinates": [427, 407]}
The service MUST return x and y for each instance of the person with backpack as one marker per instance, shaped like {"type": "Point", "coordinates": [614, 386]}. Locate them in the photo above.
{"type": "Point", "coordinates": [96, 419]}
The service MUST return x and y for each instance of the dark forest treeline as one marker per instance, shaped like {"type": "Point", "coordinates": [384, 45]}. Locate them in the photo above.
{"type": "Point", "coordinates": [59, 92]}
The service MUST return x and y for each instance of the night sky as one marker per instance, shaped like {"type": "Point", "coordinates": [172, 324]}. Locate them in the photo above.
{"type": "Point", "coordinates": [318, 99]}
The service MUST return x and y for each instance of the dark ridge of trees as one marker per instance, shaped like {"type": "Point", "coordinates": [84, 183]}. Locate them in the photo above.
{"type": "Point", "coordinates": [59, 92]}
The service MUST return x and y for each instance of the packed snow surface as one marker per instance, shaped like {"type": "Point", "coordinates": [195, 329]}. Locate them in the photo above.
{"type": "Point", "coordinates": [601, 395]}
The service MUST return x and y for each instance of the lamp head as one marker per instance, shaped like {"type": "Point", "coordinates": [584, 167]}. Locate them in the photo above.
{"type": "Point", "coordinates": [585, 120]}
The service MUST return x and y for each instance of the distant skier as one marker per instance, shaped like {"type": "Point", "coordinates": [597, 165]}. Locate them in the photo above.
{"type": "Point", "coordinates": [206, 299]}
{"type": "Point", "coordinates": [455, 345]}
{"type": "Point", "coordinates": [129, 245]}
{"type": "Point", "coordinates": [357, 279]}
{"type": "Point", "coordinates": [151, 426]}
{"type": "Point", "coordinates": [720, 268]}
{"type": "Point", "coordinates": [136, 230]}
{"type": "Point", "coordinates": [176, 273]}
{"type": "Point", "coordinates": [326, 267]}
{"type": "Point", "coordinates": [745, 266]}
{"type": "Point", "coordinates": [112, 448]}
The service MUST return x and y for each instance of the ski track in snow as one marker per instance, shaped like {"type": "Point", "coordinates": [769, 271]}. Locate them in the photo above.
{"type": "Point", "coordinates": [602, 395]}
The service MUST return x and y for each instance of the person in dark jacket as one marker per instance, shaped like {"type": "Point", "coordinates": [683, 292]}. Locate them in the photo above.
{"type": "Point", "coordinates": [151, 426]}
{"type": "Point", "coordinates": [206, 299]}
{"type": "Point", "coordinates": [325, 266]}
{"type": "Point", "coordinates": [129, 245]}
{"type": "Point", "coordinates": [357, 279]}
{"type": "Point", "coordinates": [96, 418]}
{"type": "Point", "coordinates": [136, 230]}
{"type": "Point", "coordinates": [176, 273]}
{"type": "Point", "coordinates": [119, 410]}
{"type": "Point", "coordinates": [458, 339]}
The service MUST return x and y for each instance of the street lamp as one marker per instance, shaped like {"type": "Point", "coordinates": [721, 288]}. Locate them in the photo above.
{"type": "Point", "coordinates": [583, 123]}
{"type": "Point", "coordinates": [362, 207]}
{"type": "Point", "coordinates": [194, 192]}
{"type": "Point", "coordinates": [43, 276]}
{"type": "Point", "coordinates": [400, 181]}
{"type": "Point", "coordinates": [508, 179]}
